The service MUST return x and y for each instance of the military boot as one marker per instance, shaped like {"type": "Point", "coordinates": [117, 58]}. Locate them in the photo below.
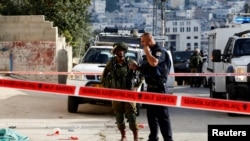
{"type": "Point", "coordinates": [123, 135]}
{"type": "Point", "coordinates": [135, 133]}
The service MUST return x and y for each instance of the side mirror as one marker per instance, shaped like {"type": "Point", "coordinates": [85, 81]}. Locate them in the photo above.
{"type": "Point", "coordinates": [216, 55]}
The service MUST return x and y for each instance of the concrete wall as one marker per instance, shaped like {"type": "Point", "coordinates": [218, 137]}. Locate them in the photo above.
{"type": "Point", "coordinates": [29, 43]}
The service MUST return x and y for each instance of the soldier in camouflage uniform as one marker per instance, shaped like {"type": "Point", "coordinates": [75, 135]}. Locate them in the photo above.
{"type": "Point", "coordinates": [195, 67]}
{"type": "Point", "coordinates": [118, 75]}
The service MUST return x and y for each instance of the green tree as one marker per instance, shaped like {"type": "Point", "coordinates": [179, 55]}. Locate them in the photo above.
{"type": "Point", "coordinates": [70, 16]}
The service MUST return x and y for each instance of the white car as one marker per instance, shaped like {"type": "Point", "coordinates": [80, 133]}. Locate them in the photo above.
{"type": "Point", "coordinates": [93, 63]}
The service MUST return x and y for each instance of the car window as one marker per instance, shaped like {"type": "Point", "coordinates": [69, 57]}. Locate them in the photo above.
{"type": "Point", "coordinates": [132, 55]}
{"type": "Point", "coordinates": [182, 56]}
{"type": "Point", "coordinates": [103, 55]}
{"type": "Point", "coordinates": [242, 47]}
{"type": "Point", "coordinates": [94, 55]}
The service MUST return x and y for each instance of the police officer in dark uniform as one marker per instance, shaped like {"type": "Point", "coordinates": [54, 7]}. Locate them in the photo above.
{"type": "Point", "coordinates": [155, 69]}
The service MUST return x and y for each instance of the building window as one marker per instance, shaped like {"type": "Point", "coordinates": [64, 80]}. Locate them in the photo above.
{"type": "Point", "coordinates": [181, 23]}
{"type": "Point", "coordinates": [172, 37]}
{"type": "Point", "coordinates": [173, 45]}
{"type": "Point", "coordinates": [188, 37]}
{"type": "Point", "coordinates": [188, 47]}
{"type": "Point", "coordinates": [195, 37]}
{"type": "Point", "coordinates": [167, 30]}
{"type": "Point", "coordinates": [174, 23]}
{"type": "Point", "coordinates": [196, 29]}
{"type": "Point", "coordinates": [182, 29]}
{"type": "Point", "coordinates": [188, 29]}
{"type": "Point", "coordinates": [174, 29]}
{"type": "Point", "coordinates": [195, 45]}
{"type": "Point", "coordinates": [188, 23]}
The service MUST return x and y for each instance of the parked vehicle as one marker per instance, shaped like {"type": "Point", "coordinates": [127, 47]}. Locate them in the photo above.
{"type": "Point", "coordinates": [94, 61]}
{"type": "Point", "coordinates": [181, 65]}
{"type": "Point", "coordinates": [229, 48]}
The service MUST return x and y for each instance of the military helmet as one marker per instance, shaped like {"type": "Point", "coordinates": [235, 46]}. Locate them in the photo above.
{"type": "Point", "coordinates": [119, 46]}
{"type": "Point", "coordinates": [197, 50]}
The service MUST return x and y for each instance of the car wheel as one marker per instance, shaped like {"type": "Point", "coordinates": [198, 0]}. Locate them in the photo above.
{"type": "Point", "coordinates": [211, 92]}
{"type": "Point", "coordinates": [214, 94]}
{"type": "Point", "coordinates": [179, 82]}
{"type": "Point", "coordinates": [73, 103]}
{"type": "Point", "coordinates": [231, 95]}
{"type": "Point", "coordinates": [209, 83]}
{"type": "Point", "coordinates": [231, 92]}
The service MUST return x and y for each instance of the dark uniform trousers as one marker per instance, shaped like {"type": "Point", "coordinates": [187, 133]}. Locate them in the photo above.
{"type": "Point", "coordinates": [158, 116]}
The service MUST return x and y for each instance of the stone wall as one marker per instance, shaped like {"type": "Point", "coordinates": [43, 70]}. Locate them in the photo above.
{"type": "Point", "coordinates": [29, 43]}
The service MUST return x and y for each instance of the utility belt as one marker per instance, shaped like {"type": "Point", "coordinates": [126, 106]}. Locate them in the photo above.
{"type": "Point", "coordinates": [151, 80]}
{"type": "Point", "coordinates": [152, 86]}
{"type": "Point", "coordinates": [156, 86]}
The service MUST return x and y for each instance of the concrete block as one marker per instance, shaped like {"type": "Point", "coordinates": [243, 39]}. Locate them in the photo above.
{"type": "Point", "coordinates": [37, 18]}
{"type": "Point", "coordinates": [40, 25]}
{"type": "Point", "coordinates": [21, 37]}
{"type": "Point", "coordinates": [22, 18]}
{"type": "Point", "coordinates": [9, 19]}
{"type": "Point", "coordinates": [25, 25]}
{"type": "Point", "coordinates": [49, 35]}
{"type": "Point", "coordinates": [7, 38]}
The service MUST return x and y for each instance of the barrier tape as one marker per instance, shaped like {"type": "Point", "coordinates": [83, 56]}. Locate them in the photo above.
{"type": "Point", "coordinates": [191, 102]}
{"type": "Point", "coordinates": [96, 73]}
{"type": "Point", "coordinates": [125, 95]}
{"type": "Point", "coordinates": [38, 86]}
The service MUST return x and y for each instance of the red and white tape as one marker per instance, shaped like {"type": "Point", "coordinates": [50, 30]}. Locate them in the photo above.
{"type": "Point", "coordinates": [95, 73]}
{"type": "Point", "coordinates": [191, 102]}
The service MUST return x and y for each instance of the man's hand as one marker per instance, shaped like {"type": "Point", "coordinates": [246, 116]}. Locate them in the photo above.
{"type": "Point", "coordinates": [133, 65]}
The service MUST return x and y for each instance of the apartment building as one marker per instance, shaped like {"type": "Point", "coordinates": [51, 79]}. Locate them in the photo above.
{"type": "Point", "coordinates": [183, 28]}
{"type": "Point", "coordinates": [99, 6]}
{"type": "Point", "coordinates": [183, 34]}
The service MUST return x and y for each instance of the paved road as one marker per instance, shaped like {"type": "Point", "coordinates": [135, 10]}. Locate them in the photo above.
{"type": "Point", "coordinates": [38, 114]}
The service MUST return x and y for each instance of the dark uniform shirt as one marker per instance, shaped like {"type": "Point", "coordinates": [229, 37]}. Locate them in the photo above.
{"type": "Point", "coordinates": [156, 75]}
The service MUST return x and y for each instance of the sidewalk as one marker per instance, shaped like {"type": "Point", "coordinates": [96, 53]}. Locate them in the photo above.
{"type": "Point", "coordinates": [40, 131]}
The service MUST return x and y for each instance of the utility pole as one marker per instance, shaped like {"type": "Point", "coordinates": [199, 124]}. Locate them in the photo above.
{"type": "Point", "coordinates": [155, 19]}
{"type": "Point", "coordinates": [156, 32]}
{"type": "Point", "coordinates": [163, 5]}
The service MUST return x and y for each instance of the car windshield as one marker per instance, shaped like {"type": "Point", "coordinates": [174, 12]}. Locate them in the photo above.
{"type": "Point", "coordinates": [182, 56]}
{"type": "Point", "coordinates": [103, 55]}
{"type": "Point", "coordinates": [242, 47]}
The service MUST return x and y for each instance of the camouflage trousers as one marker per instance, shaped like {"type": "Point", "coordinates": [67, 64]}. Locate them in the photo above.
{"type": "Point", "coordinates": [125, 110]}
{"type": "Point", "coordinates": [195, 81]}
